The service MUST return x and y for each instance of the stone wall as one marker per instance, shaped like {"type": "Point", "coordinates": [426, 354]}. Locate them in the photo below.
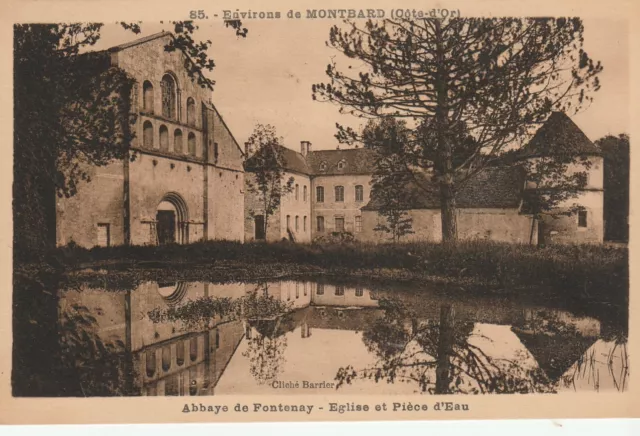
{"type": "Point", "coordinates": [100, 201]}
{"type": "Point", "coordinates": [503, 225]}
{"type": "Point", "coordinates": [348, 209]}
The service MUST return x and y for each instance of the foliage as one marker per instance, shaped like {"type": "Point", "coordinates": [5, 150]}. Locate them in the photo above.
{"type": "Point", "coordinates": [98, 367]}
{"type": "Point", "coordinates": [267, 166]}
{"type": "Point", "coordinates": [551, 183]}
{"type": "Point", "coordinates": [204, 312]}
{"type": "Point", "coordinates": [467, 87]}
{"type": "Point", "coordinates": [439, 357]}
{"type": "Point", "coordinates": [391, 176]}
{"type": "Point", "coordinates": [72, 113]}
{"type": "Point", "coordinates": [616, 185]}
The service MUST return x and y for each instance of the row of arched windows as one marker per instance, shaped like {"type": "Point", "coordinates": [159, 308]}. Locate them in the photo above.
{"type": "Point", "coordinates": [178, 142]}
{"type": "Point", "coordinates": [170, 100]}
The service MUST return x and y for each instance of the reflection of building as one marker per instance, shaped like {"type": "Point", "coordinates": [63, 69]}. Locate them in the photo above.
{"type": "Point", "coordinates": [186, 181]}
{"type": "Point", "coordinates": [166, 359]}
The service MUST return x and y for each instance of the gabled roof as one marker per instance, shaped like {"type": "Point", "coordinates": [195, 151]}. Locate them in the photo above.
{"type": "Point", "coordinates": [354, 161]}
{"type": "Point", "coordinates": [494, 188]}
{"type": "Point", "coordinates": [140, 41]}
{"type": "Point", "coordinates": [559, 135]}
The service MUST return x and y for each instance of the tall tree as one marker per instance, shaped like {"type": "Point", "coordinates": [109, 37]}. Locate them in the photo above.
{"type": "Point", "coordinates": [267, 167]}
{"type": "Point", "coordinates": [390, 181]}
{"type": "Point", "coordinates": [486, 79]}
{"type": "Point", "coordinates": [71, 112]}
{"type": "Point", "coordinates": [616, 152]}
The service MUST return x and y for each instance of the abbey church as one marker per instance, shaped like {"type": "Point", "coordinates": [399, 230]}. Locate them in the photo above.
{"type": "Point", "coordinates": [186, 180]}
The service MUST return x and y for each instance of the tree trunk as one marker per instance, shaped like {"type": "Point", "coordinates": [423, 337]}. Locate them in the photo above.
{"type": "Point", "coordinates": [448, 213]}
{"type": "Point", "coordinates": [445, 345]}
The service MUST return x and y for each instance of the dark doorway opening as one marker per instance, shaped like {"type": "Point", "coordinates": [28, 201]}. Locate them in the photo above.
{"type": "Point", "coordinates": [259, 222]}
{"type": "Point", "coordinates": [166, 226]}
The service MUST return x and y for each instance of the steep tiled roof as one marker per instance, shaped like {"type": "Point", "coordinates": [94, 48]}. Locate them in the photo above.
{"type": "Point", "coordinates": [559, 135]}
{"type": "Point", "coordinates": [293, 161]}
{"type": "Point", "coordinates": [493, 188]}
{"type": "Point", "coordinates": [354, 161]}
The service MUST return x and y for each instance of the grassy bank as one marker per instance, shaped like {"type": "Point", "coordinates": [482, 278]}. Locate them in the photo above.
{"type": "Point", "coordinates": [593, 270]}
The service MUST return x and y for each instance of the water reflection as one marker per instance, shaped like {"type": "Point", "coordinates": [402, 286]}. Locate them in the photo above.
{"type": "Point", "coordinates": [305, 337]}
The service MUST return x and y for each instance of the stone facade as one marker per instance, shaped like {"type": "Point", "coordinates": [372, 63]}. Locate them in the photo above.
{"type": "Point", "coordinates": [490, 206]}
{"type": "Point", "coordinates": [184, 181]}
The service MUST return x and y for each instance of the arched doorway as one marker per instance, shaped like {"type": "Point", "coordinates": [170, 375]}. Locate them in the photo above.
{"type": "Point", "coordinates": [172, 220]}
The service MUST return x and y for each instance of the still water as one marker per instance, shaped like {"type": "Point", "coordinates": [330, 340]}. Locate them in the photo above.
{"type": "Point", "coordinates": [311, 337]}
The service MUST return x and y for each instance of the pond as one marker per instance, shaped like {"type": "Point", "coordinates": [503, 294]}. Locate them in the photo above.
{"type": "Point", "coordinates": [311, 336]}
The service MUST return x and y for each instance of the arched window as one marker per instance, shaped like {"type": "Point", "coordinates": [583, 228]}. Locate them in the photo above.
{"type": "Point", "coordinates": [193, 349]}
{"type": "Point", "coordinates": [147, 90]}
{"type": "Point", "coordinates": [164, 138]}
{"type": "Point", "coordinates": [180, 353]}
{"type": "Point", "coordinates": [191, 112]}
{"type": "Point", "coordinates": [359, 193]}
{"type": "Point", "coordinates": [151, 363]}
{"type": "Point", "coordinates": [304, 223]}
{"type": "Point", "coordinates": [319, 194]}
{"type": "Point", "coordinates": [297, 192]}
{"type": "Point", "coordinates": [297, 223]}
{"type": "Point", "coordinates": [168, 87]}
{"type": "Point", "coordinates": [217, 339]}
{"type": "Point", "coordinates": [177, 141]}
{"type": "Point", "coordinates": [147, 136]}
{"type": "Point", "coordinates": [192, 144]}
{"type": "Point", "coordinates": [166, 357]}
{"type": "Point", "coordinates": [304, 193]}
{"type": "Point", "coordinates": [339, 193]}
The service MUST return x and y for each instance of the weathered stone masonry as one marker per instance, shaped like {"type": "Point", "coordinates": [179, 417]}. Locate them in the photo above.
{"type": "Point", "coordinates": [185, 179]}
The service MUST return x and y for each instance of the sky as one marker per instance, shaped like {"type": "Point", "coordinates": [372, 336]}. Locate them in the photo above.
{"type": "Point", "coordinates": [267, 77]}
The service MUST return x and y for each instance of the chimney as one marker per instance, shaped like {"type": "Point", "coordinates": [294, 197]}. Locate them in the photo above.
{"type": "Point", "coordinates": [305, 147]}
{"type": "Point", "coordinates": [247, 149]}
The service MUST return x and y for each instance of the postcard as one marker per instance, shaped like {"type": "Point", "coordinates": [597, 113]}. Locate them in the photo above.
{"type": "Point", "coordinates": [318, 211]}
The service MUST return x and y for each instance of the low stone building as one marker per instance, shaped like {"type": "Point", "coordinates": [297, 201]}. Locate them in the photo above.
{"type": "Point", "coordinates": [492, 205]}
{"type": "Point", "coordinates": [185, 180]}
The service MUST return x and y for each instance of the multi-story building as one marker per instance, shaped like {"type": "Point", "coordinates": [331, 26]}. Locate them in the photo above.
{"type": "Point", "coordinates": [492, 205]}
{"type": "Point", "coordinates": [186, 181]}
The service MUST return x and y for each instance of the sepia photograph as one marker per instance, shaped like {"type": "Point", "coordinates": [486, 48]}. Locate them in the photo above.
{"type": "Point", "coordinates": [272, 203]}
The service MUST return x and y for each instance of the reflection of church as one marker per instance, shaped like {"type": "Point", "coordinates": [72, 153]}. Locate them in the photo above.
{"type": "Point", "coordinates": [174, 358]}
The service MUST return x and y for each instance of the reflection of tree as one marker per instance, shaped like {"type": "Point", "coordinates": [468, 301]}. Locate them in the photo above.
{"type": "Point", "coordinates": [265, 350]}
{"type": "Point", "coordinates": [95, 366]}
{"type": "Point", "coordinates": [268, 315]}
{"type": "Point", "coordinates": [203, 313]}
{"type": "Point", "coordinates": [440, 357]}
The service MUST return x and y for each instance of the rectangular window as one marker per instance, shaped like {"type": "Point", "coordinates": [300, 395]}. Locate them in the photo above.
{"type": "Point", "coordinates": [339, 227]}
{"type": "Point", "coordinates": [359, 193]}
{"type": "Point", "coordinates": [320, 220]}
{"type": "Point", "coordinates": [359, 292]}
{"type": "Point", "coordinates": [320, 289]}
{"type": "Point", "coordinates": [319, 194]}
{"type": "Point", "coordinates": [339, 193]}
{"type": "Point", "coordinates": [304, 224]}
{"type": "Point", "coordinates": [297, 192]}
{"type": "Point", "coordinates": [358, 223]}
{"type": "Point", "coordinates": [339, 290]}
{"type": "Point", "coordinates": [297, 290]}
{"type": "Point", "coordinates": [104, 235]}
{"type": "Point", "coordinates": [297, 223]}
{"type": "Point", "coordinates": [582, 218]}
{"type": "Point", "coordinates": [304, 288]}
{"type": "Point", "coordinates": [288, 222]}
